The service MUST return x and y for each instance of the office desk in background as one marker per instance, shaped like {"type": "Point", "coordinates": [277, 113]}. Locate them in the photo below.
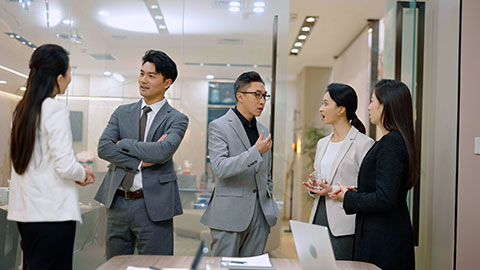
{"type": "Point", "coordinates": [121, 263]}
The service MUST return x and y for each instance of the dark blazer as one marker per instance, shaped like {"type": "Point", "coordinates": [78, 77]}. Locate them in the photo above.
{"type": "Point", "coordinates": [159, 181]}
{"type": "Point", "coordinates": [383, 231]}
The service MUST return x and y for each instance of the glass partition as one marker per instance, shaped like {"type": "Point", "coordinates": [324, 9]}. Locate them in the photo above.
{"type": "Point", "coordinates": [211, 43]}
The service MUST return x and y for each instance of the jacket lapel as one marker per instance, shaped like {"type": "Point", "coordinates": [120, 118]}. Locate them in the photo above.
{"type": "Point", "coordinates": [237, 126]}
{"type": "Point", "coordinates": [320, 152]}
{"type": "Point", "coordinates": [134, 117]}
{"type": "Point", "coordinates": [161, 116]}
{"type": "Point", "coordinates": [343, 150]}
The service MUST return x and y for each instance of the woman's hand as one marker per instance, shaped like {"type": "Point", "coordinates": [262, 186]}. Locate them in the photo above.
{"type": "Point", "coordinates": [311, 184]}
{"type": "Point", "coordinates": [89, 178]}
{"type": "Point", "coordinates": [339, 194]}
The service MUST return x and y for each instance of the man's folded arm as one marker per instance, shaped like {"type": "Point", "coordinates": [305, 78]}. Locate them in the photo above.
{"type": "Point", "coordinates": [156, 152]}
{"type": "Point", "coordinates": [109, 150]}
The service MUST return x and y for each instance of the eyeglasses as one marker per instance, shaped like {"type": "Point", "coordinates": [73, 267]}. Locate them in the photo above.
{"type": "Point", "coordinates": [258, 95]}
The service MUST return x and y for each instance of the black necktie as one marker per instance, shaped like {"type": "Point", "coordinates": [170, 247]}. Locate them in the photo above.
{"type": "Point", "coordinates": [128, 179]}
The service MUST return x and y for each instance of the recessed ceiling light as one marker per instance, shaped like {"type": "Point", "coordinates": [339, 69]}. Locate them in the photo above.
{"type": "Point", "coordinates": [210, 77]}
{"type": "Point", "coordinates": [370, 30]}
{"type": "Point", "coordinates": [103, 13]}
{"type": "Point", "coordinates": [23, 88]}
{"type": "Point", "coordinates": [3, 82]}
{"type": "Point", "coordinates": [302, 37]}
{"type": "Point", "coordinates": [305, 29]}
{"type": "Point", "coordinates": [298, 44]}
{"type": "Point", "coordinates": [153, 6]}
{"type": "Point", "coordinates": [234, 9]}
{"type": "Point", "coordinates": [11, 36]}
{"type": "Point", "coordinates": [201, 64]}
{"type": "Point", "coordinates": [158, 17]}
{"type": "Point", "coordinates": [29, 43]}
{"type": "Point", "coordinates": [228, 65]}
{"type": "Point", "coordinates": [258, 10]}
{"type": "Point", "coordinates": [294, 50]}
{"type": "Point", "coordinates": [107, 73]}
{"type": "Point", "coordinates": [23, 42]}
{"type": "Point", "coordinates": [17, 36]}
{"type": "Point", "coordinates": [255, 66]}
{"type": "Point", "coordinates": [118, 77]}
{"type": "Point", "coordinates": [234, 4]}
{"type": "Point", "coordinates": [162, 26]}
{"type": "Point", "coordinates": [67, 21]}
{"type": "Point", "coordinates": [259, 4]}
{"type": "Point", "coordinates": [310, 19]}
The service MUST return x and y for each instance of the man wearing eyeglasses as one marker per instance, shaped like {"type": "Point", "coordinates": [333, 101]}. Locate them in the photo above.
{"type": "Point", "coordinates": [242, 209]}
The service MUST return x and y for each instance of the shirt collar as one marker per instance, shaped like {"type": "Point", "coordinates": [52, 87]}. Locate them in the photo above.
{"type": "Point", "coordinates": [155, 106]}
{"type": "Point", "coordinates": [244, 120]}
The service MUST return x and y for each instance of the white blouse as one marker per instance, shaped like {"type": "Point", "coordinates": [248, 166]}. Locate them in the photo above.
{"type": "Point", "coordinates": [327, 161]}
{"type": "Point", "coordinates": [46, 191]}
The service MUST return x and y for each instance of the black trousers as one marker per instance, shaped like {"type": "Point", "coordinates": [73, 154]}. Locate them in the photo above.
{"type": "Point", "coordinates": [47, 245]}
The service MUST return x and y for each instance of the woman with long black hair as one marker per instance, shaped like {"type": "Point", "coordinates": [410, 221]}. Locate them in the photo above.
{"type": "Point", "coordinates": [383, 232]}
{"type": "Point", "coordinates": [338, 158]}
{"type": "Point", "coordinates": [43, 195]}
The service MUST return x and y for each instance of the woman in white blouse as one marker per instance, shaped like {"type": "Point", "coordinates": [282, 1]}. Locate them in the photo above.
{"type": "Point", "coordinates": [43, 193]}
{"type": "Point", "coordinates": [338, 158]}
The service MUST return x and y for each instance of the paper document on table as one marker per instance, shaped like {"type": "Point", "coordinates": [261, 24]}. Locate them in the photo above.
{"type": "Point", "coordinates": [256, 262]}
{"type": "Point", "coordinates": [137, 268]}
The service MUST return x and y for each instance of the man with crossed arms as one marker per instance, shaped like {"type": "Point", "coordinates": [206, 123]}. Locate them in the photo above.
{"type": "Point", "coordinates": [140, 188]}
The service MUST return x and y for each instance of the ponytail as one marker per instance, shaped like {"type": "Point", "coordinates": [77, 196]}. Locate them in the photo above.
{"type": "Point", "coordinates": [357, 123]}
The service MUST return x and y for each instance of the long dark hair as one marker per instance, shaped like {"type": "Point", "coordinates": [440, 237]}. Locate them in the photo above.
{"type": "Point", "coordinates": [397, 116]}
{"type": "Point", "coordinates": [345, 96]}
{"type": "Point", "coordinates": [47, 63]}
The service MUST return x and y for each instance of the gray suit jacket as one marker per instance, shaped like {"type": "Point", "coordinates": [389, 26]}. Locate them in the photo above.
{"type": "Point", "coordinates": [241, 172]}
{"type": "Point", "coordinates": [160, 187]}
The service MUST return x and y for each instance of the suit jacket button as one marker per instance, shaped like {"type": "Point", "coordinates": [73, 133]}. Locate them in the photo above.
{"type": "Point", "coordinates": [254, 191]}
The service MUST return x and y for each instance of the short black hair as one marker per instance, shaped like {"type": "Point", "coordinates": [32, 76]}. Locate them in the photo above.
{"type": "Point", "coordinates": [163, 64]}
{"type": "Point", "coordinates": [246, 78]}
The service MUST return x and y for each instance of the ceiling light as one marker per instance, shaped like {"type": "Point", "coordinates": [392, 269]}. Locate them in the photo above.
{"type": "Point", "coordinates": [12, 36]}
{"type": "Point", "coordinates": [370, 30]}
{"type": "Point", "coordinates": [14, 72]}
{"type": "Point", "coordinates": [118, 77]}
{"type": "Point", "coordinates": [201, 64]}
{"type": "Point", "coordinates": [107, 73]}
{"type": "Point", "coordinates": [258, 10]}
{"type": "Point", "coordinates": [158, 17]}
{"type": "Point", "coordinates": [3, 82]}
{"type": "Point", "coordinates": [162, 26]}
{"type": "Point", "coordinates": [310, 19]}
{"type": "Point", "coordinates": [103, 13]}
{"type": "Point", "coordinates": [17, 36]}
{"type": "Point", "coordinates": [23, 88]}
{"type": "Point", "coordinates": [154, 6]}
{"type": "Point", "coordinates": [24, 43]}
{"type": "Point", "coordinates": [294, 50]}
{"type": "Point", "coordinates": [210, 77]}
{"type": "Point", "coordinates": [234, 9]}
{"type": "Point", "coordinates": [234, 4]}
{"type": "Point", "coordinates": [259, 4]}
{"type": "Point", "coordinates": [67, 21]}
{"type": "Point", "coordinates": [255, 66]}
{"type": "Point", "coordinates": [302, 37]}
{"type": "Point", "coordinates": [305, 29]}
{"type": "Point", "coordinates": [228, 65]}
{"type": "Point", "coordinates": [303, 34]}
{"type": "Point", "coordinates": [298, 44]}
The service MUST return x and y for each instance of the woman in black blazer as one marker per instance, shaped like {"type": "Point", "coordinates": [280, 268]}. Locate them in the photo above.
{"type": "Point", "coordinates": [383, 232]}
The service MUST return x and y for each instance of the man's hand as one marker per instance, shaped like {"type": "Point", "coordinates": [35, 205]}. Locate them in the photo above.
{"type": "Point", "coordinates": [148, 164]}
{"type": "Point", "coordinates": [264, 145]}
{"type": "Point", "coordinates": [89, 178]}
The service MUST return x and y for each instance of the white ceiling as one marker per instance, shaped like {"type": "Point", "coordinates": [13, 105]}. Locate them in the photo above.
{"type": "Point", "coordinates": [194, 26]}
{"type": "Point", "coordinates": [339, 21]}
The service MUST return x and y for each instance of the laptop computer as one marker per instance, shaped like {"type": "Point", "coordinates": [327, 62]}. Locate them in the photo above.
{"type": "Point", "coordinates": [313, 245]}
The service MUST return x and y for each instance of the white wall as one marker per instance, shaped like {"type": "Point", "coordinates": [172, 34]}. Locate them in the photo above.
{"type": "Point", "coordinates": [353, 68]}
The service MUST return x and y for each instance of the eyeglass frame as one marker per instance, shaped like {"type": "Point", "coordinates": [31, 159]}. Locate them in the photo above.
{"type": "Point", "coordinates": [258, 95]}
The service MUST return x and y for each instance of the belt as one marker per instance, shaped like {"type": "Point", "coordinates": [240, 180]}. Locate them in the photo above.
{"type": "Point", "coordinates": [129, 195]}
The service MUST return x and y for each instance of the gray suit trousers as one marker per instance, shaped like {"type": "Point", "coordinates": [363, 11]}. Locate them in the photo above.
{"type": "Point", "coordinates": [250, 242]}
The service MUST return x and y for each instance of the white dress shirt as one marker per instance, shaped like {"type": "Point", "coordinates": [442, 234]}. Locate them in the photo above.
{"type": "Point", "coordinates": [137, 180]}
{"type": "Point", "coordinates": [46, 191]}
